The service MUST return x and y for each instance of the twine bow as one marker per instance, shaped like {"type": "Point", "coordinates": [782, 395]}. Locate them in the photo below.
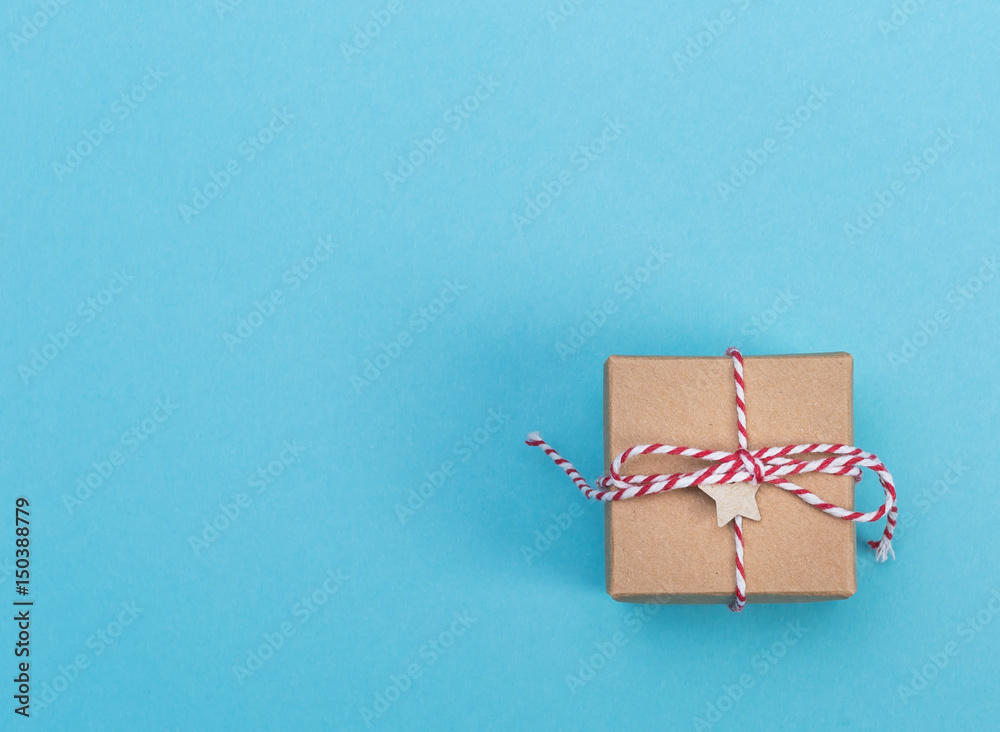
{"type": "Point", "coordinates": [768, 465]}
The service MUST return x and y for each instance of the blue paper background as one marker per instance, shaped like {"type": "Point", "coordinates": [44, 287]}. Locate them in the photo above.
{"type": "Point", "coordinates": [769, 266]}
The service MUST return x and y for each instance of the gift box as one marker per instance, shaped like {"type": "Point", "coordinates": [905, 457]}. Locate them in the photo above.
{"type": "Point", "coordinates": [669, 547]}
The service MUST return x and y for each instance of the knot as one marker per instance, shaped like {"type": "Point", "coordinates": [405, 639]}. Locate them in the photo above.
{"type": "Point", "coordinates": [754, 466]}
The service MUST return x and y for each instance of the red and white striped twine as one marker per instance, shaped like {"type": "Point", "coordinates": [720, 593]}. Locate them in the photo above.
{"type": "Point", "coordinates": [767, 465]}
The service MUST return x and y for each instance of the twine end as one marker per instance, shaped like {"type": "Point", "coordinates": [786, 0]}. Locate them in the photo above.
{"type": "Point", "coordinates": [883, 550]}
{"type": "Point", "coordinates": [533, 439]}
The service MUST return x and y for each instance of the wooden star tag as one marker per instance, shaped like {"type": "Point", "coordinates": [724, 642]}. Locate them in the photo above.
{"type": "Point", "coordinates": [734, 499]}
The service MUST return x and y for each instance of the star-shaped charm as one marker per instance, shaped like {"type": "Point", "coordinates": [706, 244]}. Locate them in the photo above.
{"type": "Point", "coordinates": [734, 499]}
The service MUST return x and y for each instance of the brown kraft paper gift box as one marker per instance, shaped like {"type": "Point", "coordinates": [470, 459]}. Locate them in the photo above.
{"type": "Point", "coordinates": [667, 547]}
